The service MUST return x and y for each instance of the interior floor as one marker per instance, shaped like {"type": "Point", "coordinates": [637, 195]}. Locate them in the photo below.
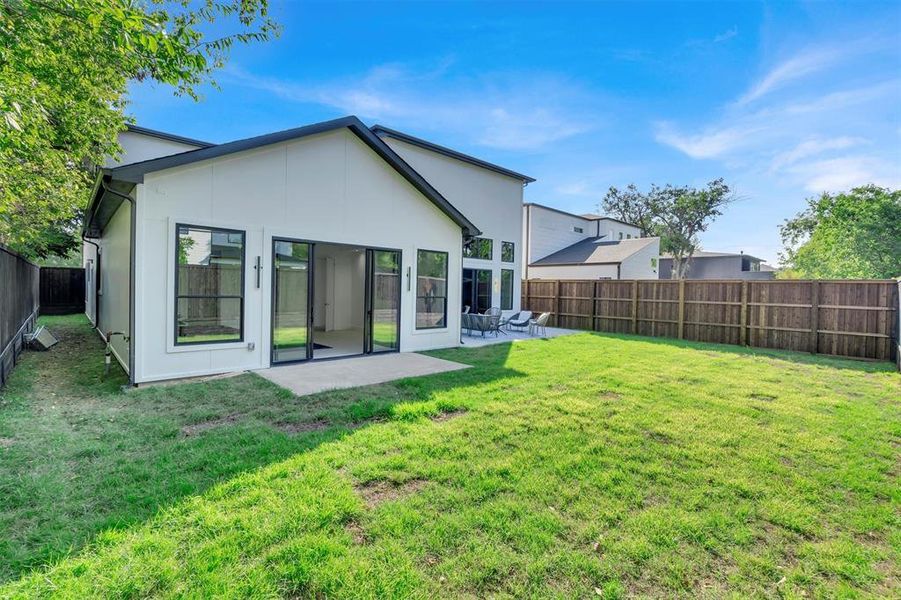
{"type": "Point", "coordinates": [338, 342]}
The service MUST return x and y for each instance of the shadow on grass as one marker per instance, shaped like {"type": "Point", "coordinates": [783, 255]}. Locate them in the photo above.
{"type": "Point", "coordinates": [834, 362]}
{"type": "Point", "coordinates": [81, 456]}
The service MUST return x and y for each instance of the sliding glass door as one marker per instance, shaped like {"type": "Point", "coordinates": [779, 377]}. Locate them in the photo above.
{"type": "Point", "coordinates": [291, 315]}
{"type": "Point", "coordinates": [477, 289]}
{"type": "Point", "coordinates": [382, 301]}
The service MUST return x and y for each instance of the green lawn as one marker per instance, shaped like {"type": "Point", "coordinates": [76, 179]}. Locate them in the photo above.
{"type": "Point", "coordinates": [581, 466]}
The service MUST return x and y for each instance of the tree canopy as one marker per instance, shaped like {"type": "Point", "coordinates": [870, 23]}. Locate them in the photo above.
{"type": "Point", "coordinates": [850, 235]}
{"type": "Point", "coordinates": [64, 70]}
{"type": "Point", "coordinates": [678, 214]}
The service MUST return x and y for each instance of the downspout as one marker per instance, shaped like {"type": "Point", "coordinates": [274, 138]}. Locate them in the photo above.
{"type": "Point", "coordinates": [131, 281]}
{"type": "Point", "coordinates": [528, 238]}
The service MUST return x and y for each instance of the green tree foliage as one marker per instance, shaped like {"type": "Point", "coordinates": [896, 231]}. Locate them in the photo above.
{"type": "Point", "coordinates": [851, 235]}
{"type": "Point", "coordinates": [64, 70]}
{"type": "Point", "coordinates": [677, 214]}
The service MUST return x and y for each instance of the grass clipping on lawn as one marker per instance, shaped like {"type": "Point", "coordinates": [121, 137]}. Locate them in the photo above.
{"type": "Point", "coordinates": [586, 465]}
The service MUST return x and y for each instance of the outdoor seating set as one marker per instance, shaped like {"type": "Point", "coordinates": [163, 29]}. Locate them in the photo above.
{"type": "Point", "coordinates": [491, 321]}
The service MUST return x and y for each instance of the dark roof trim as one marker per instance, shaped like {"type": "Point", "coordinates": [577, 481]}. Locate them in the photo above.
{"type": "Point", "coordinates": [404, 137]}
{"type": "Point", "coordinates": [168, 136]}
{"type": "Point", "coordinates": [134, 172]}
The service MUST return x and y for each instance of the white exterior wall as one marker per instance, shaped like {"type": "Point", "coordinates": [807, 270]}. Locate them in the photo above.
{"type": "Point", "coordinates": [550, 231]}
{"type": "Point", "coordinates": [644, 264]}
{"type": "Point", "coordinates": [614, 231]}
{"type": "Point", "coordinates": [328, 188]}
{"type": "Point", "coordinates": [115, 268]}
{"type": "Point", "coordinates": [492, 201]}
{"type": "Point", "coordinates": [89, 262]}
{"type": "Point", "coordinates": [137, 147]}
{"type": "Point", "coordinates": [574, 272]}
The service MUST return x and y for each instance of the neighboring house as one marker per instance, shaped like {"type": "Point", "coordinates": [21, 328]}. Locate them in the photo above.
{"type": "Point", "coordinates": [720, 265]}
{"type": "Point", "coordinates": [562, 245]}
{"type": "Point", "coordinates": [328, 240]}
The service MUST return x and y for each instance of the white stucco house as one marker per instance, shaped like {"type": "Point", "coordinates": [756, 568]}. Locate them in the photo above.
{"type": "Point", "coordinates": [562, 245]}
{"type": "Point", "coordinates": [330, 240]}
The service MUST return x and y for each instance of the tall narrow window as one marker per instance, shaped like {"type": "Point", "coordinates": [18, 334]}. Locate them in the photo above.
{"type": "Point", "coordinates": [507, 289]}
{"type": "Point", "coordinates": [507, 251]}
{"type": "Point", "coordinates": [431, 289]}
{"type": "Point", "coordinates": [482, 248]}
{"type": "Point", "coordinates": [209, 285]}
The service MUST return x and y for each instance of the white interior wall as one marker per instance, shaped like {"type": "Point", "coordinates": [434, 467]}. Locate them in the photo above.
{"type": "Point", "coordinates": [330, 187]}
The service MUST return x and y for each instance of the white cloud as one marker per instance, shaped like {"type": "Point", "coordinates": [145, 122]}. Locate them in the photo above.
{"type": "Point", "coordinates": [813, 147]}
{"type": "Point", "coordinates": [726, 35]}
{"type": "Point", "coordinates": [842, 173]}
{"type": "Point", "coordinates": [792, 69]}
{"type": "Point", "coordinates": [711, 143]}
{"type": "Point", "coordinates": [506, 110]}
{"type": "Point", "coordinates": [808, 135]}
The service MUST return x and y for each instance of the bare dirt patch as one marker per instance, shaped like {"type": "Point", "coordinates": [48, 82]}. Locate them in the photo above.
{"type": "Point", "coordinates": [196, 428]}
{"type": "Point", "coordinates": [447, 416]}
{"type": "Point", "coordinates": [377, 492]}
{"type": "Point", "coordinates": [6, 442]}
{"type": "Point", "coordinates": [356, 532]}
{"type": "Point", "coordinates": [610, 395]}
{"type": "Point", "coordinates": [306, 427]}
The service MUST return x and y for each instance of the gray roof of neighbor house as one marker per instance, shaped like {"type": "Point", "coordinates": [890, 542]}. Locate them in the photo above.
{"type": "Point", "coordinates": [133, 173]}
{"type": "Point", "coordinates": [168, 136]}
{"type": "Point", "coordinates": [705, 254]}
{"type": "Point", "coordinates": [381, 130]}
{"type": "Point", "coordinates": [595, 251]}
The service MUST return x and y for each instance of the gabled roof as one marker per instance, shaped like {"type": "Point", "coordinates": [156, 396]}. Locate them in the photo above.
{"type": "Point", "coordinates": [168, 136]}
{"type": "Point", "coordinates": [383, 131]}
{"type": "Point", "coordinates": [594, 251]}
{"type": "Point", "coordinates": [134, 172]}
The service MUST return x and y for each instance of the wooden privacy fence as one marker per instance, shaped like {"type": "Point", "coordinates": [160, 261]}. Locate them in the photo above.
{"type": "Point", "coordinates": [62, 290]}
{"type": "Point", "coordinates": [854, 318]}
{"type": "Point", "coordinates": [19, 298]}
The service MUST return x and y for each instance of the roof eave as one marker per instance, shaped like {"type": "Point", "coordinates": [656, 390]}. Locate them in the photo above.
{"type": "Point", "coordinates": [445, 151]}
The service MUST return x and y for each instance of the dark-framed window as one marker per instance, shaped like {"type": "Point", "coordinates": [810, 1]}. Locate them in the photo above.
{"type": "Point", "coordinates": [508, 251]}
{"type": "Point", "coordinates": [481, 248]}
{"type": "Point", "coordinates": [209, 285]}
{"type": "Point", "coordinates": [431, 289]}
{"type": "Point", "coordinates": [507, 289]}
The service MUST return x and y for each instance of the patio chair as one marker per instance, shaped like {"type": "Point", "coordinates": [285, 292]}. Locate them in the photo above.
{"type": "Point", "coordinates": [539, 324]}
{"type": "Point", "coordinates": [492, 311]}
{"type": "Point", "coordinates": [466, 323]}
{"type": "Point", "coordinates": [494, 323]}
{"type": "Point", "coordinates": [520, 320]}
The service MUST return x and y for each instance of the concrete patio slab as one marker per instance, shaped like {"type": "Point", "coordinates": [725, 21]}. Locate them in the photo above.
{"type": "Point", "coordinates": [476, 341]}
{"type": "Point", "coordinates": [319, 376]}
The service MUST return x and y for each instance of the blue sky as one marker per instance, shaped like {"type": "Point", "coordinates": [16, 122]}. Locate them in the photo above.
{"type": "Point", "coordinates": [782, 100]}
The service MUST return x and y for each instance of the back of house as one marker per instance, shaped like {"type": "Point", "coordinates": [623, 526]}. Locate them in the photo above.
{"type": "Point", "coordinates": [329, 240]}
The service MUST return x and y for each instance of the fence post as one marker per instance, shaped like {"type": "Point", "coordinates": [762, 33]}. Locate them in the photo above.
{"type": "Point", "coordinates": [743, 318]}
{"type": "Point", "coordinates": [681, 307]}
{"type": "Point", "coordinates": [594, 305]}
{"type": "Point", "coordinates": [814, 315]}
{"type": "Point", "coordinates": [898, 327]}
{"type": "Point", "coordinates": [557, 304]}
{"type": "Point", "coordinates": [635, 306]}
{"type": "Point", "coordinates": [524, 302]}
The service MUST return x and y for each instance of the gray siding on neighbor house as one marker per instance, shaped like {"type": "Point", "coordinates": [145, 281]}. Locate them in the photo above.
{"type": "Point", "coordinates": [714, 267]}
